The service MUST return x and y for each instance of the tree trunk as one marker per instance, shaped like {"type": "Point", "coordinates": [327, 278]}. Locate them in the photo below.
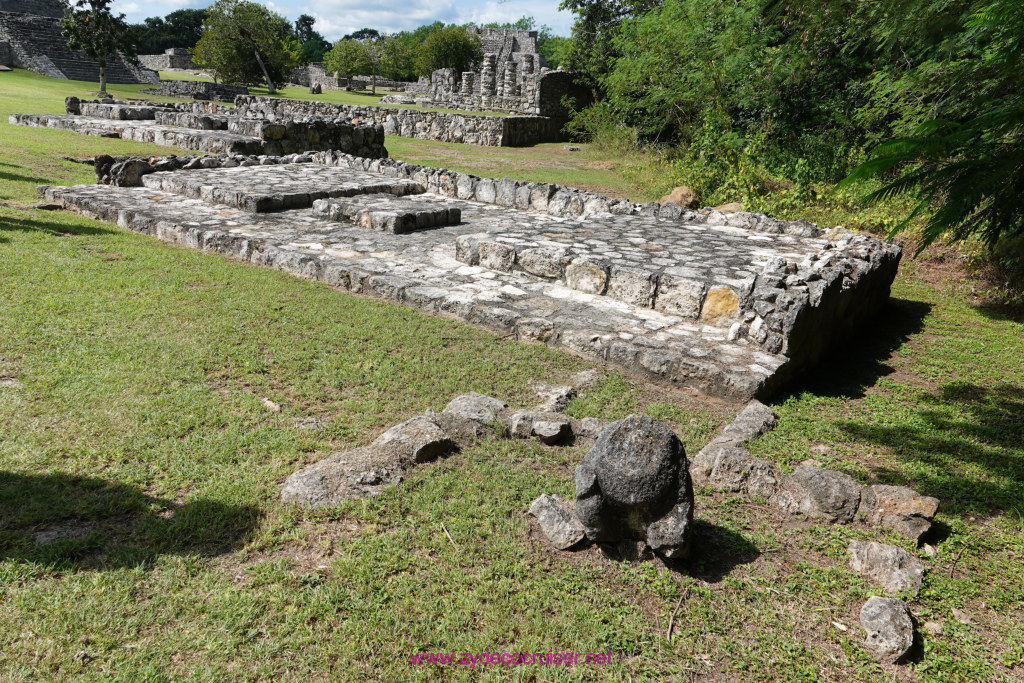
{"type": "Point", "coordinates": [103, 77]}
{"type": "Point", "coordinates": [266, 74]}
{"type": "Point", "coordinates": [374, 87]}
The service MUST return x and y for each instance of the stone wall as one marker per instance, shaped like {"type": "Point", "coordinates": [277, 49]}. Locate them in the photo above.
{"type": "Point", "coordinates": [492, 131]}
{"type": "Point", "coordinates": [40, 8]}
{"type": "Point", "coordinates": [199, 90]}
{"type": "Point", "coordinates": [172, 58]}
{"type": "Point", "coordinates": [6, 55]}
{"type": "Point", "coordinates": [209, 127]}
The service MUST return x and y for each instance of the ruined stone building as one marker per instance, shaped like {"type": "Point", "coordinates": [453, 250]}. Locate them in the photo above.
{"type": "Point", "coordinates": [30, 38]}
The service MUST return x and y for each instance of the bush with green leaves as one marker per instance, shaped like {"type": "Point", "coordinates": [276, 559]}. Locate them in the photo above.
{"type": "Point", "coordinates": [451, 47]}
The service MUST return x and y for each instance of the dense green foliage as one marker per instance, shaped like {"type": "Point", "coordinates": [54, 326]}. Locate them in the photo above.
{"type": "Point", "coordinates": [746, 99]}
{"type": "Point", "coordinates": [90, 26]}
{"type": "Point", "coordinates": [245, 43]}
{"type": "Point", "coordinates": [313, 45]}
{"type": "Point", "coordinates": [180, 28]}
{"type": "Point", "coordinates": [451, 47]}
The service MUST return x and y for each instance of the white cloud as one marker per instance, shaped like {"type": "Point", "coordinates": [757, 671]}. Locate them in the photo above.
{"type": "Point", "coordinates": [335, 18]}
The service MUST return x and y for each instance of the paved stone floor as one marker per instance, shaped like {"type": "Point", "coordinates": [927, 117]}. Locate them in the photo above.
{"type": "Point", "coordinates": [592, 285]}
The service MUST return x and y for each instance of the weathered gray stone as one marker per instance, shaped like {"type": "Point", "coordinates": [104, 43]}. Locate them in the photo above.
{"type": "Point", "coordinates": [554, 397]}
{"type": "Point", "coordinates": [899, 508]}
{"type": "Point", "coordinates": [496, 256]}
{"type": "Point", "coordinates": [894, 569]}
{"type": "Point", "coordinates": [484, 410]}
{"type": "Point", "coordinates": [417, 440]}
{"type": "Point", "coordinates": [733, 469]}
{"type": "Point", "coordinates": [820, 494]}
{"type": "Point", "coordinates": [591, 427]}
{"type": "Point", "coordinates": [587, 276]}
{"type": "Point", "coordinates": [557, 521]}
{"type": "Point", "coordinates": [632, 285]}
{"type": "Point", "coordinates": [755, 420]}
{"type": "Point", "coordinates": [552, 432]}
{"type": "Point", "coordinates": [547, 262]}
{"type": "Point", "coordinates": [634, 484]}
{"type": "Point", "coordinates": [889, 628]}
{"type": "Point", "coordinates": [680, 296]}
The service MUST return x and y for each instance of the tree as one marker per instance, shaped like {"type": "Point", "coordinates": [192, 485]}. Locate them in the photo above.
{"type": "Point", "coordinates": [363, 35]}
{"type": "Point", "coordinates": [347, 57]}
{"type": "Point", "coordinates": [180, 28]}
{"type": "Point", "coordinates": [593, 32]}
{"type": "Point", "coordinates": [243, 41]}
{"type": "Point", "coordinates": [314, 47]}
{"type": "Point", "coordinates": [451, 47]}
{"type": "Point", "coordinates": [398, 59]}
{"type": "Point", "coordinates": [90, 26]}
{"type": "Point", "coordinates": [967, 170]}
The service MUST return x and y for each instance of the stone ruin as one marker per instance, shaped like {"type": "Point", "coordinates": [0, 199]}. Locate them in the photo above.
{"type": "Point", "coordinates": [172, 58]}
{"type": "Point", "coordinates": [634, 493]}
{"type": "Point", "coordinates": [512, 78]}
{"type": "Point", "coordinates": [171, 122]}
{"type": "Point", "coordinates": [30, 30]}
{"type": "Point", "coordinates": [730, 304]}
{"type": "Point", "coordinates": [198, 90]}
{"type": "Point", "coordinates": [208, 127]}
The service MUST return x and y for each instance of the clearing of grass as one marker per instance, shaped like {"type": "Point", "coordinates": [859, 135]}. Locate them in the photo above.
{"type": "Point", "coordinates": [142, 538]}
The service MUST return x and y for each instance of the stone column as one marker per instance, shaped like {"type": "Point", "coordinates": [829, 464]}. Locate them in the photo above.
{"type": "Point", "coordinates": [528, 64]}
{"type": "Point", "coordinates": [510, 86]}
{"type": "Point", "coordinates": [487, 84]}
{"type": "Point", "coordinates": [468, 81]}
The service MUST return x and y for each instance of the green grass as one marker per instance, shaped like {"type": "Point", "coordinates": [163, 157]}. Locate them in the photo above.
{"type": "Point", "coordinates": [138, 433]}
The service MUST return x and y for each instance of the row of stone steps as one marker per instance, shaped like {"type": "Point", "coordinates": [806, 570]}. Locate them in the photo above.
{"type": "Point", "coordinates": [37, 43]}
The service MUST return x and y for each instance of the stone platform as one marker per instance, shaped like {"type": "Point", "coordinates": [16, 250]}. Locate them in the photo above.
{"type": "Point", "coordinates": [684, 297]}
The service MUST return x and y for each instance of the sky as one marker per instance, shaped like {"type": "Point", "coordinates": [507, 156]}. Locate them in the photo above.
{"type": "Point", "coordinates": [335, 18]}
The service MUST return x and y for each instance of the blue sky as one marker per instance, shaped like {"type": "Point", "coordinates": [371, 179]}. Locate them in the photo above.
{"type": "Point", "coordinates": [335, 18]}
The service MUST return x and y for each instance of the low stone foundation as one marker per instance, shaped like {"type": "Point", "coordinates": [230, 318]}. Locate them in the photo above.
{"type": "Point", "coordinates": [209, 128]}
{"type": "Point", "coordinates": [731, 305]}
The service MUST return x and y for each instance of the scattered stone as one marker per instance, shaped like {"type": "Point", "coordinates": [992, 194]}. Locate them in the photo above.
{"type": "Point", "coordinates": [418, 440]}
{"type": "Point", "coordinates": [682, 195]}
{"type": "Point", "coordinates": [899, 508]}
{"type": "Point", "coordinates": [47, 206]}
{"type": "Point", "coordinates": [10, 383]}
{"type": "Point", "coordinates": [731, 207]}
{"type": "Point", "coordinates": [315, 89]}
{"type": "Point", "coordinates": [591, 427]}
{"type": "Point", "coordinates": [476, 407]}
{"type": "Point", "coordinates": [733, 469]}
{"type": "Point", "coordinates": [933, 628]}
{"type": "Point", "coordinates": [552, 432]}
{"type": "Point", "coordinates": [961, 616]}
{"type": "Point", "coordinates": [634, 484]}
{"type": "Point", "coordinates": [889, 628]}
{"type": "Point", "coordinates": [557, 521]}
{"type": "Point", "coordinates": [894, 569]}
{"type": "Point", "coordinates": [755, 420]}
{"type": "Point", "coordinates": [270, 405]}
{"type": "Point", "coordinates": [354, 474]}
{"type": "Point", "coordinates": [308, 423]}
{"type": "Point", "coordinates": [571, 148]}
{"type": "Point", "coordinates": [554, 398]}
{"type": "Point", "coordinates": [820, 494]}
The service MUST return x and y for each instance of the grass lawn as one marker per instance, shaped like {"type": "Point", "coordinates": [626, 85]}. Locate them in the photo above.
{"type": "Point", "coordinates": [132, 431]}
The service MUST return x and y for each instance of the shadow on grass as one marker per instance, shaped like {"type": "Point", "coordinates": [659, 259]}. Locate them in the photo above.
{"type": "Point", "coordinates": [714, 552]}
{"type": "Point", "coordinates": [72, 522]}
{"type": "Point", "coordinates": [9, 224]}
{"type": "Point", "coordinates": [856, 363]}
{"type": "Point", "coordinates": [970, 441]}
{"type": "Point", "coordinates": [18, 178]}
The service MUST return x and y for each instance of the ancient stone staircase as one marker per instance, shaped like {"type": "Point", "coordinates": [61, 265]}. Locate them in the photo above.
{"type": "Point", "coordinates": [37, 44]}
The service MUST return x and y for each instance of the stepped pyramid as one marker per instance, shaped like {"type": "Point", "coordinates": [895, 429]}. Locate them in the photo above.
{"type": "Point", "coordinates": [30, 29]}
